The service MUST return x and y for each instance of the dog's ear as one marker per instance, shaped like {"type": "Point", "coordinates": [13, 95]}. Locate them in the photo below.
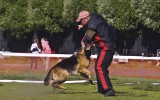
{"type": "Point", "coordinates": [80, 51]}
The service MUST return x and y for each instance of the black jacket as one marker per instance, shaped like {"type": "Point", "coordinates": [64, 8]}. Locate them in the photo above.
{"type": "Point", "coordinates": [104, 36]}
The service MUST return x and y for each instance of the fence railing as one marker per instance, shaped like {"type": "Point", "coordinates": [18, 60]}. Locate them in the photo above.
{"type": "Point", "coordinates": [5, 54]}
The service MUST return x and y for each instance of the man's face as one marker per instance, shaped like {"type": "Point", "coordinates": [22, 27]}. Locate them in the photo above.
{"type": "Point", "coordinates": [84, 21]}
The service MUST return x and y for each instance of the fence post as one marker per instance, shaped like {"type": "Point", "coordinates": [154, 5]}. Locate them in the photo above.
{"type": "Point", "coordinates": [142, 66]}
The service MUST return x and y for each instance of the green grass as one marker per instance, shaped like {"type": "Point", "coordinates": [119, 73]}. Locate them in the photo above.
{"type": "Point", "coordinates": [32, 75]}
{"type": "Point", "coordinates": [141, 89]}
{"type": "Point", "coordinates": [22, 91]}
{"type": "Point", "coordinates": [28, 75]}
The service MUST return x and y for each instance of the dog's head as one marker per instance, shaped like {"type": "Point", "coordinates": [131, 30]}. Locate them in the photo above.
{"type": "Point", "coordinates": [83, 52]}
{"type": "Point", "coordinates": [80, 51]}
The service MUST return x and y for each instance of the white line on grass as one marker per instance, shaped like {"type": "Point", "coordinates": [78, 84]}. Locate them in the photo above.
{"type": "Point", "coordinates": [29, 81]}
{"type": "Point", "coordinates": [68, 82]}
{"type": "Point", "coordinates": [138, 83]}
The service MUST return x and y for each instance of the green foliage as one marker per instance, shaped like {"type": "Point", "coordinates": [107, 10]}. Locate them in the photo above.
{"type": "Point", "coordinates": [14, 17]}
{"type": "Point", "coordinates": [30, 15]}
{"type": "Point", "coordinates": [118, 13]}
{"type": "Point", "coordinates": [45, 14]}
{"type": "Point", "coordinates": [48, 15]}
{"type": "Point", "coordinates": [148, 12]}
{"type": "Point", "coordinates": [20, 17]}
{"type": "Point", "coordinates": [73, 7]}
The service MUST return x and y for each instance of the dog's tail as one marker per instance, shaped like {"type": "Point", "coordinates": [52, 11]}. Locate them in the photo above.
{"type": "Point", "coordinates": [48, 77]}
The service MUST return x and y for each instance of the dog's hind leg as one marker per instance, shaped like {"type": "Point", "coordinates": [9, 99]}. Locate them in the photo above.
{"type": "Point", "coordinates": [86, 74]}
{"type": "Point", "coordinates": [58, 85]}
{"type": "Point", "coordinates": [59, 77]}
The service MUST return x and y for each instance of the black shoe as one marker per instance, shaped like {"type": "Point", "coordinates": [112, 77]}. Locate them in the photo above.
{"type": "Point", "coordinates": [110, 92]}
{"type": "Point", "coordinates": [100, 92]}
{"type": "Point", "coordinates": [114, 90]}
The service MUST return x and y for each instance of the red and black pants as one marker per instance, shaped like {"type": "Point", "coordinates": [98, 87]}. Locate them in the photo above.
{"type": "Point", "coordinates": [103, 61]}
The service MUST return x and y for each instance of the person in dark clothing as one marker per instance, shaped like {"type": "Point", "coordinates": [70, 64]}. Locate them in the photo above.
{"type": "Point", "coordinates": [99, 32]}
{"type": "Point", "coordinates": [158, 55]}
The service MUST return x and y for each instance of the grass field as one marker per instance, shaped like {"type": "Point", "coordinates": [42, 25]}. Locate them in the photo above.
{"type": "Point", "coordinates": [141, 89]}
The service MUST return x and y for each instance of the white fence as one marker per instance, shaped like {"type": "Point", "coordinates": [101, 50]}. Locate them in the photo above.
{"type": "Point", "coordinates": [119, 58]}
{"type": "Point", "coordinates": [5, 54]}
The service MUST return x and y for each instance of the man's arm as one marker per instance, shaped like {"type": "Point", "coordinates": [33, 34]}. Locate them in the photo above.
{"type": "Point", "coordinates": [88, 36]}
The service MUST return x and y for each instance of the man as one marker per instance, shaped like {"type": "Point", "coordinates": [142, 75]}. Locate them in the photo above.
{"type": "Point", "coordinates": [99, 32]}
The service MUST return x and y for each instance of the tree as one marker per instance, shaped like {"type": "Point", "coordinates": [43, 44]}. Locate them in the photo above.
{"type": "Point", "coordinates": [73, 7]}
{"type": "Point", "coordinates": [13, 17]}
{"type": "Point", "coordinates": [148, 12]}
{"type": "Point", "coordinates": [22, 17]}
{"type": "Point", "coordinates": [46, 14]}
{"type": "Point", "coordinates": [118, 13]}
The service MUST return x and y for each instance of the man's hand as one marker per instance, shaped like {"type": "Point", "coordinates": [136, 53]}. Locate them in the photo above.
{"type": "Point", "coordinates": [88, 46]}
{"type": "Point", "coordinates": [80, 26]}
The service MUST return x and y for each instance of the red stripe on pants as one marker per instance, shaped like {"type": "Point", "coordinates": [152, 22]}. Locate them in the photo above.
{"type": "Point", "coordinates": [100, 71]}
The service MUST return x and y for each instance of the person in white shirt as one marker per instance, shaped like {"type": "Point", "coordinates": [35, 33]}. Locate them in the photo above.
{"type": "Point", "coordinates": [35, 49]}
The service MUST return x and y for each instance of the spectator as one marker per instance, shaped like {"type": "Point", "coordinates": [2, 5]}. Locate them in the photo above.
{"type": "Point", "coordinates": [115, 61]}
{"type": "Point", "coordinates": [46, 50]}
{"type": "Point", "coordinates": [158, 55]}
{"type": "Point", "coordinates": [35, 49]}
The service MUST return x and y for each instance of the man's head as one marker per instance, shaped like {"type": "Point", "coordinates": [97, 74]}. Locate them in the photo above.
{"type": "Point", "coordinates": [35, 40]}
{"type": "Point", "coordinates": [83, 18]}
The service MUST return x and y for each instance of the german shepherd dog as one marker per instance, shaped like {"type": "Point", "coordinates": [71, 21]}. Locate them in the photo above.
{"type": "Point", "coordinates": [77, 63]}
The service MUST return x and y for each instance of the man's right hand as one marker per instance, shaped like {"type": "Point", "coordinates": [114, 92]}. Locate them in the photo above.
{"type": "Point", "coordinates": [80, 26]}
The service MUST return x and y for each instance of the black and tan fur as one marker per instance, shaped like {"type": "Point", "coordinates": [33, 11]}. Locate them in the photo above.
{"type": "Point", "coordinates": [77, 63]}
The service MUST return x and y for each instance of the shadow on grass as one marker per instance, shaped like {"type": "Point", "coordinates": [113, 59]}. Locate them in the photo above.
{"type": "Point", "coordinates": [130, 94]}
{"type": "Point", "coordinates": [60, 91]}
{"type": "Point", "coordinates": [117, 94]}
{"type": "Point", "coordinates": [1, 84]}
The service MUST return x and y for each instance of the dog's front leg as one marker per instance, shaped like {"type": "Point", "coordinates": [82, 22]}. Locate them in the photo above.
{"type": "Point", "coordinates": [86, 74]}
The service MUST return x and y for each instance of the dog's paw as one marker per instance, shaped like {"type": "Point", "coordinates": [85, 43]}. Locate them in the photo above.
{"type": "Point", "coordinates": [60, 87]}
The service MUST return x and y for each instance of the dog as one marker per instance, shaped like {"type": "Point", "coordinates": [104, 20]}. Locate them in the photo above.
{"type": "Point", "coordinates": [59, 73]}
